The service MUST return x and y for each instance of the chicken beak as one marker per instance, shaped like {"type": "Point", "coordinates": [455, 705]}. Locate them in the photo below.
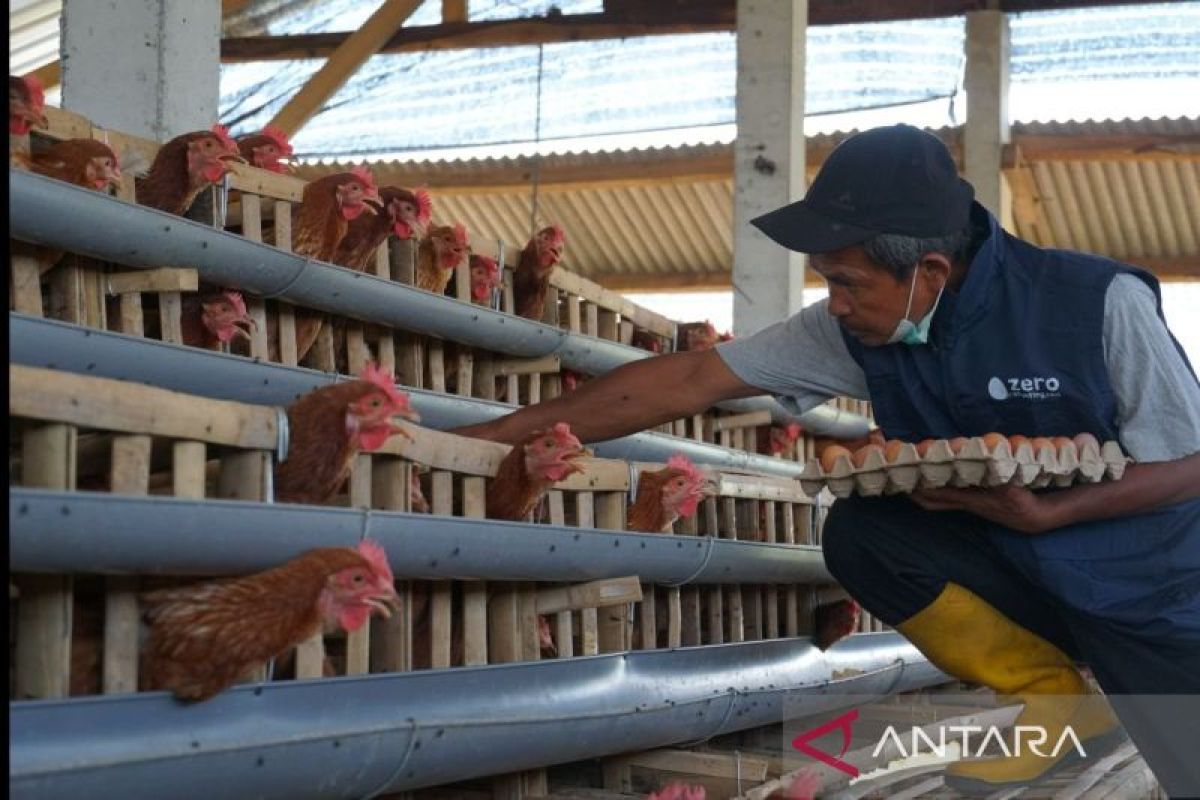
{"type": "Point", "coordinates": [38, 118]}
{"type": "Point", "coordinates": [385, 603]}
{"type": "Point", "coordinates": [249, 322]}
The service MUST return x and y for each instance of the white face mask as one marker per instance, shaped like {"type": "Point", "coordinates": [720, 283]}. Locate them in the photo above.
{"type": "Point", "coordinates": [914, 333]}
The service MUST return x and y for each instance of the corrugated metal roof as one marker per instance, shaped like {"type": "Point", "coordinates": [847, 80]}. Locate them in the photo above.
{"type": "Point", "coordinates": [662, 217]}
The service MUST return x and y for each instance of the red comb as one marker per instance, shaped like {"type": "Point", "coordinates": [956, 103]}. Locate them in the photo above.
{"type": "Point", "coordinates": [424, 206]}
{"type": "Point", "coordinates": [793, 431]}
{"type": "Point", "coordinates": [37, 94]}
{"type": "Point", "coordinates": [375, 555]}
{"type": "Point", "coordinates": [222, 134]}
{"type": "Point", "coordinates": [235, 300]}
{"type": "Point", "coordinates": [562, 432]}
{"type": "Point", "coordinates": [279, 136]}
{"type": "Point", "coordinates": [681, 463]}
{"type": "Point", "coordinates": [364, 175]}
{"type": "Point", "coordinates": [383, 379]}
{"type": "Point", "coordinates": [460, 234]}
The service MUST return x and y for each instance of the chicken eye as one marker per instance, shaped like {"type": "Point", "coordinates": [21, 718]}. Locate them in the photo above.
{"type": "Point", "coordinates": [358, 577]}
{"type": "Point", "coordinates": [549, 443]}
{"type": "Point", "coordinates": [376, 402]}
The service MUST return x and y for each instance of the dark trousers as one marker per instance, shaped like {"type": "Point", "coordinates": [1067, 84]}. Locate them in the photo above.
{"type": "Point", "coordinates": [895, 558]}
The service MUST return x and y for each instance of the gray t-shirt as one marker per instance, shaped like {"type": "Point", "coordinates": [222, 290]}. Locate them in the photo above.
{"type": "Point", "coordinates": [804, 362]}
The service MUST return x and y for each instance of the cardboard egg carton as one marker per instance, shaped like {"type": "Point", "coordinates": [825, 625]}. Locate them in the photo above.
{"type": "Point", "coordinates": [974, 465]}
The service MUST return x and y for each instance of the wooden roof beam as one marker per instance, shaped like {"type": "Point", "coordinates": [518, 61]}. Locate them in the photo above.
{"type": "Point", "coordinates": [343, 63]}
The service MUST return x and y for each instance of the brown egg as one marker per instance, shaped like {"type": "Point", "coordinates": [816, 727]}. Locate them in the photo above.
{"type": "Point", "coordinates": [1085, 442]}
{"type": "Point", "coordinates": [991, 440]}
{"type": "Point", "coordinates": [1016, 441]}
{"type": "Point", "coordinates": [957, 444]}
{"type": "Point", "coordinates": [830, 456]}
{"type": "Point", "coordinates": [892, 450]}
{"type": "Point", "coordinates": [1041, 443]}
{"type": "Point", "coordinates": [924, 445]}
{"type": "Point", "coordinates": [860, 455]}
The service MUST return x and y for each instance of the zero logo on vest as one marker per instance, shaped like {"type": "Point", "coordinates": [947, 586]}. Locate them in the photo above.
{"type": "Point", "coordinates": [1032, 388]}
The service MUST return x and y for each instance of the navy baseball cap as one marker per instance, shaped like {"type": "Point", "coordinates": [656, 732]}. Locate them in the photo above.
{"type": "Point", "coordinates": [897, 179]}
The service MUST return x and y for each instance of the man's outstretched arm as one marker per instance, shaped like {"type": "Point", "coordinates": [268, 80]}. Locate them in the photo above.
{"type": "Point", "coordinates": [629, 399]}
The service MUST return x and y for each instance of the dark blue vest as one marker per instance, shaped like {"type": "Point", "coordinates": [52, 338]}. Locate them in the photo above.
{"type": "Point", "coordinates": [1019, 350]}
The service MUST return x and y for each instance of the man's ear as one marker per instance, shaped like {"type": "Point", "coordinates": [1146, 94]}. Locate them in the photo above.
{"type": "Point", "coordinates": [936, 267]}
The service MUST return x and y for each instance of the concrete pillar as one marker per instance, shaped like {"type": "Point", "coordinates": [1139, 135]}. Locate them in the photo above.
{"type": "Point", "coordinates": [987, 128]}
{"type": "Point", "coordinates": [145, 67]}
{"type": "Point", "coordinates": [768, 169]}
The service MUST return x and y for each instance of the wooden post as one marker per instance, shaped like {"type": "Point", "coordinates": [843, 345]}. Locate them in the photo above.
{"type": "Point", "coordinates": [358, 643]}
{"type": "Point", "coordinates": [563, 633]}
{"type": "Point", "coordinates": [288, 354]}
{"type": "Point", "coordinates": [475, 623]}
{"type": "Point", "coordinates": [26, 284]}
{"type": "Point", "coordinates": [683, 603]}
{"type": "Point", "coordinates": [736, 614]}
{"type": "Point", "coordinates": [441, 502]}
{"type": "Point", "coordinates": [437, 366]}
{"type": "Point", "coordinates": [256, 307]}
{"type": "Point", "coordinates": [615, 624]}
{"type": "Point", "coordinates": [585, 517]}
{"type": "Point", "coordinates": [130, 475]}
{"type": "Point", "coordinates": [716, 615]}
{"type": "Point", "coordinates": [391, 638]}
{"type": "Point", "coordinates": [387, 340]}
{"type": "Point", "coordinates": [772, 537]}
{"type": "Point", "coordinates": [43, 661]}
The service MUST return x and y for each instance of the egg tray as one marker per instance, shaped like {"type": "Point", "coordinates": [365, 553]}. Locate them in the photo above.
{"type": "Point", "coordinates": [974, 465]}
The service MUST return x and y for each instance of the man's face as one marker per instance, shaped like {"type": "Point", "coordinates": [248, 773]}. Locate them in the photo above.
{"type": "Point", "coordinates": [867, 300]}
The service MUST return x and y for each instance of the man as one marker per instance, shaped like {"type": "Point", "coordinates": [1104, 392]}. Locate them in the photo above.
{"type": "Point", "coordinates": [952, 327]}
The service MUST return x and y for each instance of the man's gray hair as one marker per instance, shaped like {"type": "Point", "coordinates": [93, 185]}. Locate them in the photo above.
{"type": "Point", "coordinates": [899, 254]}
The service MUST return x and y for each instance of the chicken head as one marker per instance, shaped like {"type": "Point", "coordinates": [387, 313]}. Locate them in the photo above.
{"type": "Point", "coordinates": [225, 314]}
{"type": "Point", "coordinates": [371, 418]}
{"type": "Point", "coordinates": [685, 488]}
{"type": "Point", "coordinates": [351, 595]}
{"type": "Point", "coordinates": [485, 277]}
{"type": "Point", "coordinates": [450, 245]}
{"type": "Point", "coordinates": [210, 155]}
{"type": "Point", "coordinates": [267, 150]}
{"type": "Point", "coordinates": [26, 105]}
{"type": "Point", "coordinates": [784, 437]}
{"type": "Point", "coordinates": [550, 243]}
{"type": "Point", "coordinates": [354, 193]}
{"type": "Point", "coordinates": [550, 454]}
{"type": "Point", "coordinates": [409, 211]}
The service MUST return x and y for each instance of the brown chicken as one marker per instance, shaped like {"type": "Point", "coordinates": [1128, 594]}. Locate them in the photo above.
{"type": "Point", "coordinates": [405, 216]}
{"type": "Point", "coordinates": [266, 149]}
{"type": "Point", "coordinates": [186, 166]}
{"type": "Point", "coordinates": [666, 495]}
{"type": "Point", "coordinates": [778, 439]}
{"type": "Point", "coordinates": [329, 426]}
{"type": "Point", "coordinates": [211, 320]}
{"type": "Point", "coordinates": [207, 636]}
{"type": "Point", "coordinates": [531, 280]}
{"type": "Point", "coordinates": [26, 105]}
{"type": "Point", "coordinates": [542, 459]}
{"type": "Point", "coordinates": [696, 336]}
{"type": "Point", "coordinates": [441, 251]}
{"type": "Point", "coordinates": [647, 341]}
{"type": "Point", "coordinates": [834, 621]}
{"type": "Point", "coordinates": [319, 225]}
{"type": "Point", "coordinates": [485, 279]}
{"type": "Point", "coordinates": [83, 162]}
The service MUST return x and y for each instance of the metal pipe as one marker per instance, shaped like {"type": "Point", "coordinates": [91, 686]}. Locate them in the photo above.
{"type": "Point", "coordinates": [91, 532]}
{"type": "Point", "coordinates": [38, 342]}
{"type": "Point", "coordinates": [46, 211]}
{"type": "Point", "coordinates": [352, 737]}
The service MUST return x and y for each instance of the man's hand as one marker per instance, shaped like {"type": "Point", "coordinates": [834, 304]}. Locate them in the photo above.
{"type": "Point", "coordinates": [1012, 506]}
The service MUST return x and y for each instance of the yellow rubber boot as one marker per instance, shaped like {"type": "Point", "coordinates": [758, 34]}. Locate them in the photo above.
{"type": "Point", "coordinates": [963, 635]}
